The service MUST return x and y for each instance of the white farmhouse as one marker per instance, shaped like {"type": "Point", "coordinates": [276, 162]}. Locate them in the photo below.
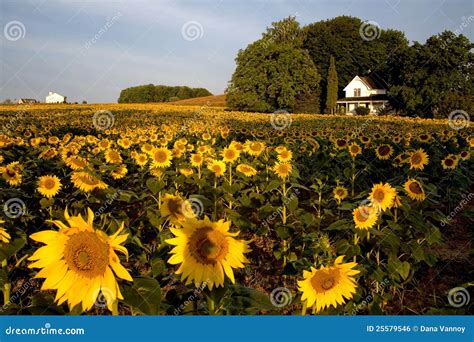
{"type": "Point", "coordinates": [55, 98]}
{"type": "Point", "coordinates": [363, 91]}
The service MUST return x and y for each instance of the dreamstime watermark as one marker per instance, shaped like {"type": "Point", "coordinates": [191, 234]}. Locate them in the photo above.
{"type": "Point", "coordinates": [272, 217]}
{"type": "Point", "coordinates": [364, 125]}
{"type": "Point", "coordinates": [192, 207]}
{"type": "Point", "coordinates": [108, 24]}
{"type": "Point", "coordinates": [192, 30]}
{"type": "Point", "coordinates": [103, 297]}
{"type": "Point", "coordinates": [13, 120]}
{"type": "Point", "coordinates": [458, 119]}
{"type": "Point", "coordinates": [14, 208]}
{"type": "Point", "coordinates": [465, 22]}
{"type": "Point", "coordinates": [195, 117]}
{"type": "Point", "coordinates": [283, 30]}
{"type": "Point", "coordinates": [376, 288]}
{"type": "Point", "coordinates": [281, 297]}
{"type": "Point", "coordinates": [367, 209]}
{"type": "Point", "coordinates": [108, 202]}
{"type": "Point", "coordinates": [14, 30]}
{"type": "Point", "coordinates": [458, 297]}
{"type": "Point", "coordinates": [280, 119]}
{"type": "Point", "coordinates": [103, 119]}
{"type": "Point", "coordinates": [196, 294]}
{"type": "Point", "coordinates": [46, 330]}
{"type": "Point", "coordinates": [369, 30]}
{"type": "Point", "coordinates": [465, 201]}
{"type": "Point", "coordinates": [18, 293]}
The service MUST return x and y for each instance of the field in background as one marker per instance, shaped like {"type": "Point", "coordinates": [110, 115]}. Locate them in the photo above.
{"type": "Point", "coordinates": [214, 101]}
{"type": "Point", "coordinates": [109, 158]}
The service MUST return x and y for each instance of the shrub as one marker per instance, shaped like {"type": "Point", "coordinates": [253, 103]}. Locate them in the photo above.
{"type": "Point", "coordinates": [362, 110]}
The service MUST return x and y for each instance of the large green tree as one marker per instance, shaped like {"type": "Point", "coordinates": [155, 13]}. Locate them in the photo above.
{"type": "Point", "coordinates": [332, 87]}
{"type": "Point", "coordinates": [357, 51]}
{"type": "Point", "coordinates": [435, 78]}
{"type": "Point", "coordinates": [275, 72]}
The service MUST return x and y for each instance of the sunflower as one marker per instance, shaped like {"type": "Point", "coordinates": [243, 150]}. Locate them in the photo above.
{"type": "Point", "coordinates": [147, 148]}
{"type": "Point", "coordinates": [49, 185]}
{"type": "Point", "coordinates": [382, 196]}
{"type": "Point", "coordinates": [87, 182]}
{"type": "Point", "coordinates": [354, 149]}
{"type": "Point", "coordinates": [254, 148]}
{"type": "Point", "coordinates": [206, 251]}
{"type": "Point", "coordinates": [384, 152]}
{"type": "Point", "coordinates": [230, 155]}
{"type": "Point", "coordinates": [340, 193]}
{"type": "Point", "coordinates": [365, 217]}
{"type": "Point", "coordinates": [328, 285]}
{"type": "Point", "coordinates": [173, 208]}
{"type": "Point", "coordinates": [285, 155]}
{"type": "Point", "coordinates": [113, 157]}
{"type": "Point", "coordinates": [78, 261]}
{"type": "Point", "coordinates": [196, 159]}
{"type": "Point", "coordinates": [418, 159]}
{"type": "Point", "coordinates": [161, 157]}
{"type": "Point", "coordinates": [186, 172]}
{"type": "Point", "coordinates": [217, 166]}
{"type": "Point", "coordinates": [340, 144]}
{"type": "Point", "coordinates": [4, 236]}
{"type": "Point", "coordinates": [120, 172]}
{"type": "Point", "coordinates": [247, 170]}
{"type": "Point", "coordinates": [12, 173]}
{"type": "Point", "coordinates": [450, 162]}
{"type": "Point", "coordinates": [141, 159]}
{"type": "Point", "coordinates": [414, 190]}
{"type": "Point", "coordinates": [283, 170]}
{"type": "Point", "coordinates": [465, 155]}
{"type": "Point", "coordinates": [76, 162]}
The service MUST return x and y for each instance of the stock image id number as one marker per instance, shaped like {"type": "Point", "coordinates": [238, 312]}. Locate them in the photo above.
{"type": "Point", "coordinates": [389, 328]}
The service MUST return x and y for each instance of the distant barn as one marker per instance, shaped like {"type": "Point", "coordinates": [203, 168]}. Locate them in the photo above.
{"type": "Point", "coordinates": [27, 101]}
{"type": "Point", "coordinates": [55, 98]}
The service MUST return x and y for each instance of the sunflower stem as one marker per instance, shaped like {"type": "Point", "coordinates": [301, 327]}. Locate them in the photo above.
{"type": "Point", "coordinates": [115, 308]}
{"type": "Point", "coordinates": [230, 183]}
{"type": "Point", "coordinates": [211, 305]}
{"type": "Point", "coordinates": [305, 307]}
{"type": "Point", "coordinates": [283, 218]}
{"type": "Point", "coordinates": [353, 176]}
{"type": "Point", "coordinates": [7, 286]}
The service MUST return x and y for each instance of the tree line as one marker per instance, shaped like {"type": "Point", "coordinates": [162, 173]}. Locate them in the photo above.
{"type": "Point", "coordinates": [160, 93]}
{"type": "Point", "coordinates": [304, 69]}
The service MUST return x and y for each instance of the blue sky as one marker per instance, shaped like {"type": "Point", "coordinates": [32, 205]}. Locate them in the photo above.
{"type": "Point", "coordinates": [90, 50]}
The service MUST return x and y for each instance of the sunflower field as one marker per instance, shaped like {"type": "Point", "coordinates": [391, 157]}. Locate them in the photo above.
{"type": "Point", "coordinates": [180, 210]}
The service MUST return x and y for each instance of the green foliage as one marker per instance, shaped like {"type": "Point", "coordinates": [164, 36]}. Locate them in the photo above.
{"type": "Point", "coordinates": [332, 87]}
{"type": "Point", "coordinates": [362, 110]}
{"type": "Point", "coordinates": [340, 38]}
{"type": "Point", "coordinates": [433, 79]}
{"type": "Point", "coordinates": [159, 93]}
{"type": "Point", "coordinates": [275, 72]}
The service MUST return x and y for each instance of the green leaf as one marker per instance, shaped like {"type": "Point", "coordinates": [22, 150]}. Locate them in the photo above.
{"type": "Point", "coordinates": [283, 232]}
{"type": "Point", "coordinates": [154, 185]}
{"type": "Point", "coordinates": [243, 297]}
{"type": "Point", "coordinates": [339, 225]}
{"type": "Point", "coordinates": [46, 203]}
{"type": "Point", "coordinates": [404, 270]}
{"type": "Point", "coordinates": [144, 296]}
{"type": "Point", "coordinates": [272, 185]}
{"type": "Point", "coordinates": [9, 249]}
{"type": "Point", "coordinates": [157, 266]}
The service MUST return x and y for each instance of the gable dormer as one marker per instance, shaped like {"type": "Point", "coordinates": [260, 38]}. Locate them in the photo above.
{"type": "Point", "coordinates": [363, 86]}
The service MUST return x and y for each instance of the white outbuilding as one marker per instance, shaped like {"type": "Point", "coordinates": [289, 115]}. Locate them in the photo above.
{"type": "Point", "coordinates": [55, 98]}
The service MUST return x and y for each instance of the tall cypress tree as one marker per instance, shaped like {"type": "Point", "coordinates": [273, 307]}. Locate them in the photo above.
{"type": "Point", "coordinates": [332, 87]}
